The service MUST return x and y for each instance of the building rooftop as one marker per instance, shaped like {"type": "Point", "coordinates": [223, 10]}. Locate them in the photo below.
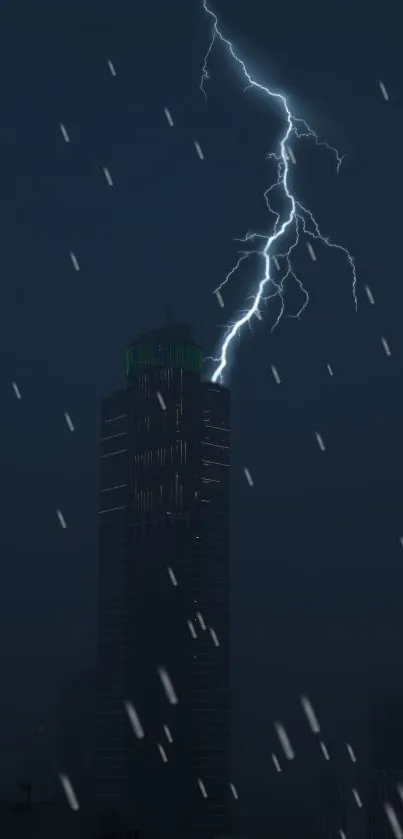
{"type": "Point", "coordinates": [171, 331]}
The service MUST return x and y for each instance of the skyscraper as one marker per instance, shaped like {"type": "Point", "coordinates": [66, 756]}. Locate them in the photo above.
{"type": "Point", "coordinates": [163, 592]}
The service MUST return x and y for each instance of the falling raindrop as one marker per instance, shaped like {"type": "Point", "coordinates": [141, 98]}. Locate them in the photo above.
{"type": "Point", "coordinates": [384, 91]}
{"type": "Point", "coordinates": [214, 637]}
{"type": "Point", "coordinates": [202, 788]}
{"type": "Point", "coordinates": [311, 251]}
{"type": "Point", "coordinates": [284, 740]}
{"type": "Point", "coordinates": [69, 422]}
{"type": "Point", "coordinates": [324, 751]}
{"type": "Point", "coordinates": [69, 791]}
{"type": "Point", "coordinates": [201, 620]}
{"type": "Point", "coordinates": [108, 176]}
{"type": "Point", "coordinates": [198, 149]}
{"type": "Point", "coordinates": [370, 295]}
{"type": "Point", "coordinates": [161, 401]}
{"type": "Point", "coordinates": [134, 720]}
{"type": "Point", "coordinates": [169, 118]}
{"type": "Point", "coordinates": [61, 518]}
{"type": "Point", "coordinates": [393, 820]}
{"type": "Point", "coordinates": [65, 135]}
{"type": "Point", "coordinates": [167, 685]}
{"type": "Point", "coordinates": [16, 390]}
{"type": "Point", "coordinates": [310, 714]}
{"type": "Point", "coordinates": [234, 792]}
{"type": "Point", "coordinates": [168, 734]}
{"type": "Point", "coordinates": [192, 629]}
{"type": "Point", "coordinates": [172, 576]}
{"type": "Point", "coordinates": [386, 346]}
{"type": "Point", "coordinates": [162, 752]}
{"type": "Point", "coordinates": [74, 261]}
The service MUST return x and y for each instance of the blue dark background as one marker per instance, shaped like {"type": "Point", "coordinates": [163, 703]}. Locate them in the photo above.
{"type": "Point", "coordinates": [317, 563]}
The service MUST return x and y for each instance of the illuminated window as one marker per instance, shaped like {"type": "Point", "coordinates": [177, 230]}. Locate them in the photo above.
{"type": "Point", "coordinates": [147, 354]}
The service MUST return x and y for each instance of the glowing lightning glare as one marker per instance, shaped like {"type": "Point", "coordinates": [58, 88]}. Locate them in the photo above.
{"type": "Point", "coordinates": [299, 220]}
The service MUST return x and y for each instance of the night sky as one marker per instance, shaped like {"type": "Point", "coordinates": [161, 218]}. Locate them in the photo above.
{"type": "Point", "coordinates": [317, 565]}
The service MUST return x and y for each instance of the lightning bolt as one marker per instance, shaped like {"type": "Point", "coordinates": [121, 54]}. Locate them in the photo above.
{"type": "Point", "coordinates": [297, 220]}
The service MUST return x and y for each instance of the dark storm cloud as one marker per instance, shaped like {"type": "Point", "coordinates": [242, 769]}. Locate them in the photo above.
{"type": "Point", "coordinates": [127, 24]}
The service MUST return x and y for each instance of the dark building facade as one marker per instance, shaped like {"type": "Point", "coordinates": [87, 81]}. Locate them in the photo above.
{"type": "Point", "coordinates": [386, 772]}
{"type": "Point", "coordinates": [163, 592]}
{"type": "Point", "coordinates": [75, 740]}
{"type": "Point", "coordinates": [333, 805]}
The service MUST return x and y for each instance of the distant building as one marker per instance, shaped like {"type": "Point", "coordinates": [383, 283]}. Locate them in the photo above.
{"type": "Point", "coordinates": [50, 820]}
{"type": "Point", "coordinates": [46, 821]}
{"type": "Point", "coordinates": [76, 734]}
{"type": "Point", "coordinates": [386, 771]}
{"type": "Point", "coordinates": [382, 788]}
{"type": "Point", "coordinates": [163, 591]}
{"type": "Point", "coordinates": [333, 804]}
{"type": "Point", "coordinates": [387, 737]}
